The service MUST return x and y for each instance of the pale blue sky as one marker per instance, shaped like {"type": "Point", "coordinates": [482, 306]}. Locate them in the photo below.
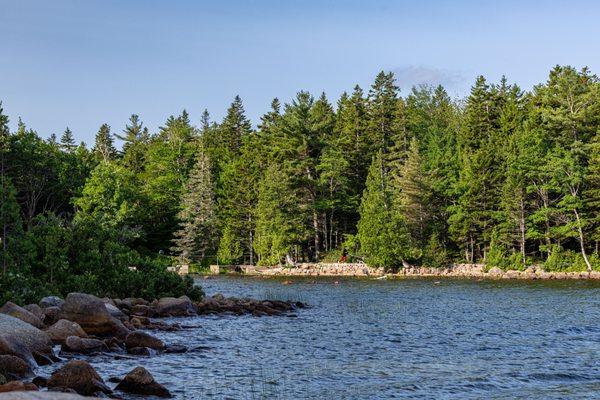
{"type": "Point", "coordinates": [82, 63]}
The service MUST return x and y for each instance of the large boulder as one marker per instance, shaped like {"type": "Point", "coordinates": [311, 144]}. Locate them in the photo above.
{"type": "Point", "coordinates": [140, 381]}
{"type": "Point", "coordinates": [24, 341]}
{"type": "Point", "coordinates": [75, 344]}
{"type": "Point", "coordinates": [62, 329]}
{"type": "Point", "coordinates": [14, 367]}
{"type": "Point", "coordinates": [142, 339]}
{"type": "Point", "coordinates": [14, 310]}
{"type": "Point", "coordinates": [35, 310]}
{"type": "Point", "coordinates": [79, 376]}
{"type": "Point", "coordinates": [51, 301]}
{"type": "Point", "coordinates": [175, 307]}
{"type": "Point", "coordinates": [91, 314]}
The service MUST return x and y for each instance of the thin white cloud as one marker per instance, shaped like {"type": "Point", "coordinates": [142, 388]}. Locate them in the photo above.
{"type": "Point", "coordinates": [411, 75]}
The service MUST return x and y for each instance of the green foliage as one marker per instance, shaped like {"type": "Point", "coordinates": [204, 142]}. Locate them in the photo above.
{"type": "Point", "coordinates": [230, 251]}
{"type": "Point", "coordinates": [561, 260]}
{"type": "Point", "coordinates": [197, 232]}
{"type": "Point", "coordinates": [382, 231]}
{"type": "Point", "coordinates": [435, 254]}
{"type": "Point", "coordinates": [274, 227]}
{"type": "Point", "coordinates": [504, 177]}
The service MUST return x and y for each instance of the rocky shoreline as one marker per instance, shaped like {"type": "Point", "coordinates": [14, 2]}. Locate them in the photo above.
{"type": "Point", "coordinates": [478, 271]}
{"type": "Point", "coordinates": [83, 325]}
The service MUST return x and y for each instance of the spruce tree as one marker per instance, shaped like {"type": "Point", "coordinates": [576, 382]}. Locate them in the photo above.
{"type": "Point", "coordinates": [197, 233]}
{"type": "Point", "coordinates": [234, 126]}
{"type": "Point", "coordinates": [104, 148]}
{"type": "Point", "coordinates": [11, 224]}
{"type": "Point", "coordinates": [382, 232]}
{"type": "Point", "coordinates": [383, 112]}
{"type": "Point", "coordinates": [275, 218]}
{"type": "Point", "coordinates": [135, 137]}
{"type": "Point", "coordinates": [67, 142]}
{"type": "Point", "coordinates": [410, 189]}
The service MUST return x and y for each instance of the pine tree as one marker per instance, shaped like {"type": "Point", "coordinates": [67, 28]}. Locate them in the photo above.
{"type": "Point", "coordinates": [234, 126]}
{"type": "Point", "coordinates": [275, 218]}
{"type": "Point", "coordinates": [410, 189]}
{"type": "Point", "coordinates": [136, 137]}
{"type": "Point", "coordinates": [382, 233]}
{"type": "Point", "coordinates": [67, 142]}
{"type": "Point", "coordinates": [11, 224]}
{"type": "Point", "coordinates": [592, 193]}
{"type": "Point", "coordinates": [197, 233]}
{"type": "Point", "coordinates": [104, 148]}
{"type": "Point", "coordinates": [53, 140]}
{"type": "Point", "coordinates": [383, 112]}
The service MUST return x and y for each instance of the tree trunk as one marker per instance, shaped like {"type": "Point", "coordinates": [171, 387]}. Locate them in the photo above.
{"type": "Point", "coordinates": [316, 229]}
{"type": "Point", "coordinates": [522, 228]}
{"type": "Point", "coordinates": [582, 242]}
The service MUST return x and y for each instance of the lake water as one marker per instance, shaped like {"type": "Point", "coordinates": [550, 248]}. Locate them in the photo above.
{"type": "Point", "coordinates": [401, 339]}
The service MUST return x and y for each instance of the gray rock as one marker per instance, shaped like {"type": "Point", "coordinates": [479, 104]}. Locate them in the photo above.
{"type": "Point", "coordinates": [14, 310]}
{"type": "Point", "coordinates": [176, 307]}
{"type": "Point", "coordinates": [140, 381]}
{"type": "Point", "coordinates": [24, 341]}
{"type": "Point", "coordinates": [91, 314]}
{"type": "Point", "coordinates": [79, 376]}
{"type": "Point", "coordinates": [142, 339]}
{"type": "Point", "coordinates": [62, 329]}
{"type": "Point", "coordinates": [14, 367]}
{"type": "Point", "coordinates": [115, 312]}
{"type": "Point", "coordinates": [35, 310]}
{"type": "Point", "coordinates": [51, 301]}
{"type": "Point", "coordinates": [74, 344]}
{"type": "Point", "coordinates": [51, 315]}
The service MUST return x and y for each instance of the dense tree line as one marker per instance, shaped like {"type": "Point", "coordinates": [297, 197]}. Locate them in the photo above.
{"type": "Point", "coordinates": [505, 177]}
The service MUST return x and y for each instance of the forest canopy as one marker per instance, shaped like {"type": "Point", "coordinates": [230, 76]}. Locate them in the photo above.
{"type": "Point", "coordinates": [504, 177]}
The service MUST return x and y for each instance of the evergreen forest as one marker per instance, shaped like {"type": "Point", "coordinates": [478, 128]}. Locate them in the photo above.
{"type": "Point", "coordinates": [504, 177]}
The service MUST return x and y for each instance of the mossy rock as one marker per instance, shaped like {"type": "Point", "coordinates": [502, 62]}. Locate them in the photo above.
{"type": "Point", "coordinates": [2, 379]}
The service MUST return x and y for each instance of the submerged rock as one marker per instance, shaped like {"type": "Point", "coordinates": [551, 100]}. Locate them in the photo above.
{"type": "Point", "coordinates": [91, 314]}
{"type": "Point", "coordinates": [24, 341]}
{"type": "Point", "coordinates": [140, 351]}
{"type": "Point", "coordinates": [140, 381]}
{"type": "Point", "coordinates": [79, 376]}
{"type": "Point", "coordinates": [62, 329]}
{"type": "Point", "coordinates": [14, 310]}
{"type": "Point", "coordinates": [142, 339]}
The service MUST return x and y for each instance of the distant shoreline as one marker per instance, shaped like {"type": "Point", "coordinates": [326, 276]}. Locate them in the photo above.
{"type": "Point", "coordinates": [362, 270]}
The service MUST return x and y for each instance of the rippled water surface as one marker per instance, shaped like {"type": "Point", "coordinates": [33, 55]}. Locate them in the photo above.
{"type": "Point", "coordinates": [453, 339]}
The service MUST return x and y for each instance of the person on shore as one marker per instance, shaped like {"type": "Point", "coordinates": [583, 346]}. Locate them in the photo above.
{"type": "Point", "coordinates": [344, 256]}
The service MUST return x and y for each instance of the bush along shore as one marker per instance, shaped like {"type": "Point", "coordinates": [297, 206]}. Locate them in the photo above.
{"type": "Point", "coordinates": [83, 325]}
{"type": "Point", "coordinates": [362, 270]}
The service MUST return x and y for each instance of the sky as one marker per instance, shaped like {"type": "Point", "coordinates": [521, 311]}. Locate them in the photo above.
{"type": "Point", "coordinates": [83, 63]}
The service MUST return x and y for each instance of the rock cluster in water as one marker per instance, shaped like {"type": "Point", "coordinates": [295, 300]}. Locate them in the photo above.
{"type": "Point", "coordinates": [83, 324]}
